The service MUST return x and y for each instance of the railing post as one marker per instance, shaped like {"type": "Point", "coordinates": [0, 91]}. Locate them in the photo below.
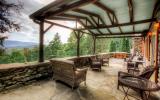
{"type": "Point", "coordinates": [41, 41]}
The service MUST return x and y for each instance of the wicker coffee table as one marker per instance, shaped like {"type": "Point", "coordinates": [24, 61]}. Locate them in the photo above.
{"type": "Point", "coordinates": [141, 85]}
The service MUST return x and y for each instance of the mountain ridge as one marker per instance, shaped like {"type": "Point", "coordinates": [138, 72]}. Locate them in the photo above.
{"type": "Point", "coordinates": [19, 44]}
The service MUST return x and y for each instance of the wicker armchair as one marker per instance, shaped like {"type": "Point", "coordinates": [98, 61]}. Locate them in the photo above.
{"type": "Point", "coordinates": [95, 63]}
{"type": "Point", "coordinates": [66, 71]}
{"type": "Point", "coordinates": [146, 73]}
{"type": "Point", "coordinates": [105, 59]}
{"type": "Point", "coordinates": [130, 64]}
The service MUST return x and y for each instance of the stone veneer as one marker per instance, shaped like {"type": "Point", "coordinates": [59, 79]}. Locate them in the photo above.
{"type": "Point", "coordinates": [24, 74]}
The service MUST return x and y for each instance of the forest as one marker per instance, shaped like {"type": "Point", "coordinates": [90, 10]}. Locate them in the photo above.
{"type": "Point", "coordinates": [57, 49]}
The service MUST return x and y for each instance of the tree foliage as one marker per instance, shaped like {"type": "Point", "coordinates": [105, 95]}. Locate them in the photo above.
{"type": "Point", "coordinates": [112, 47]}
{"type": "Point", "coordinates": [6, 22]}
{"type": "Point", "coordinates": [54, 49]}
{"type": "Point", "coordinates": [58, 49]}
{"type": "Point", "coordinates": [125, 45]}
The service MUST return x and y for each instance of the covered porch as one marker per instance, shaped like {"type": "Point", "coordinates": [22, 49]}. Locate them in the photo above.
{"type": "Point", "coordinates": [105, 19]}
{"type": "Point", "coordinates": [100, 19]}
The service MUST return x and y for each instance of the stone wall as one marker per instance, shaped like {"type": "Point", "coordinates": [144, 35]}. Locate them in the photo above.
{"type": "Point", "coordinates": [19, 76]}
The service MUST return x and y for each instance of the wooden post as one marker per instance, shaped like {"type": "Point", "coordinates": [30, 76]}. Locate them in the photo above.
{"type": "Point", "coordinates": [41, 41]}
{"type": "Point", "coordinates": [94, 44]}
{"type": "Point", "coordinates": [156, 63]}
{"type": "Point", "coordinates": [78, 44]}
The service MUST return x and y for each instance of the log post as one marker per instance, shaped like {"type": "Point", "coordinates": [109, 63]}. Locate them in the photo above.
{"type": "Point", "coordinates": [41, 42]}
{"type": "Point", "coordinates": [157, 48]}
{"type": "Point", "coordinates": [78, 43]}
{"type": "Point", "coordinates": [94, 45]}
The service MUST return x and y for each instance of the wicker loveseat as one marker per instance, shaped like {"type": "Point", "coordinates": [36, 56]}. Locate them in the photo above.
{"type": "Point", "coordinates": [65, 71]}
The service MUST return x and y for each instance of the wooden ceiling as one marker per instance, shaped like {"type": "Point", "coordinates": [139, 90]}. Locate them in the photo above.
{"type": "Point", "coordinates": [102, 18]}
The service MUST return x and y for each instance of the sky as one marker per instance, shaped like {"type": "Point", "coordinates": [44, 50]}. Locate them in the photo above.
{"type": "Point", "coordinates": [29, 30]}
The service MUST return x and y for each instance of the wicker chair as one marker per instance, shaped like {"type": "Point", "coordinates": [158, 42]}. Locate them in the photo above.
{"type": "Point", "coordinates": [95, 63]}
{"type": "Point", "coordinates": [130, 64]}
{"type": "Point", "coordinates": [146, 73]}
{"type": "Point", "coordinates": [66, 71]}
{"type": "Point", "coordinates": [105, 59]}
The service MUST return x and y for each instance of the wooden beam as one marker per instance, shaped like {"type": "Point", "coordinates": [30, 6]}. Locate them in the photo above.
{"type": "Point", "coordinates": [79, 17]}
{"type": "Point", "coordinates": [127, 33]}
{"type": "Point", "coordinates": [58, 25]}
{"type": "Point", "coordinates": [61, 18]}
{"type": "Point", "coordinates": [108, 11]}
{"type": "Point", "coordinates": [70, 7]}
{"type": "Point", "coordinates": [131, 11]}
{"type": "Point", "coordinates": [155, 10]}
{"type": "Point", "coordinates": [56, 4]}
{"type": "Point", "coordinates": [91, 14]}
{"type": "Point", "coordinates": [122, 24]}
{"type": "Point", "coordinates": [94, 45]}
{"type": "Point", "coordinates": [85, 12]}
{"type": "Point", "coordinates": [48, 28]}
{"type": "Point", "coordinates": [96, 24]}
{"type": "Point", "coordinates": [119, 37]}
{"type": "Point", "coordinates": [85, 26]}
{"type": "Point", "coordinates": [41, 42]}
{"type": "Point", "coordinates": [157, 50]}
{"type": "Point", "coordinates": [102, 6]}
{"type": "Point", "coordinates": [78, 42]}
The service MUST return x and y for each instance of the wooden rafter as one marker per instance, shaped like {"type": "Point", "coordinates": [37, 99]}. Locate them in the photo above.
{"type": "Point", "coordinates": [127, 33]}
{"type": "Point", "coordinates": [130, 5]}
{"type": "Point", "coordinates": [119, 36]}
{"type": "Point", "coordinates": [117, 25]}
{"type": "Point", "coordinates": [80, 17]}
{"type": "Point", "coordinates": [61, 18]}
{"type": "Point", "coordinates": [53, 23]}
{"type": "Point", "coordinates": [108, 11]}
{"type": "Point", "coordinates": [85, 26]}
{"type": "Point", "coordinates": [96, 24]}
{"type": "Point", "coordinates": [48, 28]}
{"type": "Point", "coordinates": [131, 12]}
{"type": "Point", "coordinates": [69, 7]}
{"type": "Point", "coordinates": [92, 14]}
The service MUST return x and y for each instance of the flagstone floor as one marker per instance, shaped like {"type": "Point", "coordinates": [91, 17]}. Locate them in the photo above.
{"type": "Point", "coordinates": [100, 86]}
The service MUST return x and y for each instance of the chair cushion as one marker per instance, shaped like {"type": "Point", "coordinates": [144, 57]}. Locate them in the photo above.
{"type": "Point", "coordinates": [96, 63]}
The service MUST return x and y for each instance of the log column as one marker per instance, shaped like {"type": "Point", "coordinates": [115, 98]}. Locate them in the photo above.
{"type": "Point", "coordinates": [157, 49]}
{"type": "Point", "coordinates": [41, 42]}
{"type": "Point", "coordinates": [78, 43]}
{"type": "Point", "coordinates": [94, 45]}
{"type": "Point", "coordinates": [78, 35]}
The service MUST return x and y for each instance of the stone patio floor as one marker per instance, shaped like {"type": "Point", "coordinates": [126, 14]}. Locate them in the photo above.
{"type": "Point", "coordinates": [100, 86]}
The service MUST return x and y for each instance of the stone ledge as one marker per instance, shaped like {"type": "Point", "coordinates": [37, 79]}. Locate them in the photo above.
{"type": "Point", "coordinates": [17, 75]}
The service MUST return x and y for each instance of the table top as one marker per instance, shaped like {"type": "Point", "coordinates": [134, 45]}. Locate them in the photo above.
{"type": "Point", "coordinates": [139, 83]}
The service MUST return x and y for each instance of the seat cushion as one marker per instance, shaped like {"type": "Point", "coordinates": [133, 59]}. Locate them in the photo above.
{"type": "Point", "coordinates": [96, 63]}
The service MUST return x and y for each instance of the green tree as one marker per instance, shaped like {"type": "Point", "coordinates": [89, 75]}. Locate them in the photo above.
{"type": "Point", "coordinates": [8, 24]}
{"type": "Point", "coordinates": [102, 45]}
{"type": "Point", "coordinates": [86, 45]}
{"type": "Point", "coordinates": [125, 45]}
{"type": "Point", "coordinates": [16, 56]}
{"type": "Point", "coordinates": [70, 48]}
{"type": "Point", "coordinates": [112, 47]}
{"type": "Point", "coordinates": [32, 54]}
{"type": "Point", "coordinates": [55, 46]}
